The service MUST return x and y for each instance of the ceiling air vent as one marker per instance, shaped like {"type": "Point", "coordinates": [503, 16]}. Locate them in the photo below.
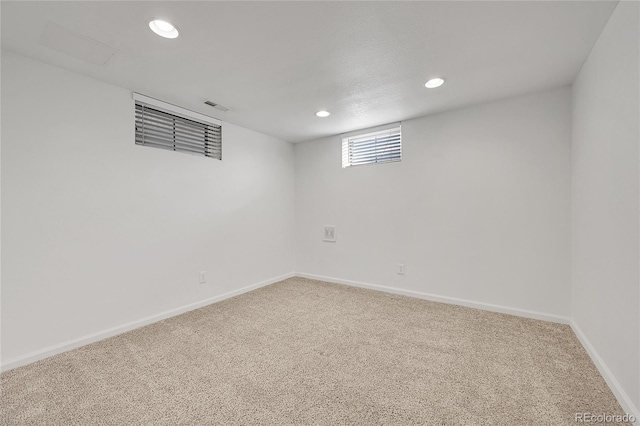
{"type": "Point", "coordinates": [217, 106]}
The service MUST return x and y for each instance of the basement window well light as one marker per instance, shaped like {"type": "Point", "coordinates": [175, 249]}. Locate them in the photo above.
{"type": "Point", "coordinates": [163, 28]}
{"type": "Point", "coordinates": [371, 148]}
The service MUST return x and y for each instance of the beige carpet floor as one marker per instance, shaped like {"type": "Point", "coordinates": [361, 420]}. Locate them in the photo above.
{"type": "Point", "coordinates": [305, 352]}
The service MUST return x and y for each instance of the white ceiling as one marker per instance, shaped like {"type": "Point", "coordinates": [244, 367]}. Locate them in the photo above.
{"type": "Point", "coordinates": [277, 63]}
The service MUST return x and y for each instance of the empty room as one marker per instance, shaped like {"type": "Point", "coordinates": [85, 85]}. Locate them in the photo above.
{"type": "Point", "coordinates": [320, 213]}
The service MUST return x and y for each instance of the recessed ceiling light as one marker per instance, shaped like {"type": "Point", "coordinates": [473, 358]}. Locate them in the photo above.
{"type": "Point", "coordinates": [434, 82]}
{"type": "Point", "coordinates": [323, 114]}
{"type": "Point", "coordinates": [163, 28]}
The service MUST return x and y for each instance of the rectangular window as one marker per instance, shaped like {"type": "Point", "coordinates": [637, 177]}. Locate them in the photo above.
{"type": "Point", "coordinates": [166, 126]}
{"type": "Point", "coordinates": [370, 148]}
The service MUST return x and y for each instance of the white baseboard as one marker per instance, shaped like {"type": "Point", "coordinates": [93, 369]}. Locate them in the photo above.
{"type": "Point", "coordinates": [443, 299]}
{"type": "Point", "coordinates": [625, 402]}
{"type": "Point", "coordinates": [94, 337]}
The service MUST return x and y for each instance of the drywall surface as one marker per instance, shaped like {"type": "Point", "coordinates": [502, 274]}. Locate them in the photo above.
{"type": "Point", "coordinates": [478, 209]}
{"type": "Point", "coordinates": [98, 232]}
{"type": "Point", "coordinates": [605, 199]}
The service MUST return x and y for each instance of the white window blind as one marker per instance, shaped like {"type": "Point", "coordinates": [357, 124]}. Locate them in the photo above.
{"type": "Point", "coordinates": [167, 129]}
{"type": "Point", "coordinates": [377, 147]}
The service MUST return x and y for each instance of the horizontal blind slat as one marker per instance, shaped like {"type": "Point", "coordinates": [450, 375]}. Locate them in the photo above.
{"type": "Point", "coordinates": [150, 112]}
{"type": "Point", "coordinates": [375, 162]}
{"type": "Point", "coordinates": [378, 140]}
{"type": "Point", "coordinates": [375, 149]}
{"type": "Point", "coordinates": [375, 145]}
{"type": "Point", "coordinates": [369, 157]}
{"type": "Point", "coordinates": [171, 135]}
{"type": "Point", "coordinates": [153, 122]}
{"type": "Point", "coordinates": [374, 159]}
{"type": "Point", "coordinates": [365, 139]}
{"type": "Point", "coordinates": [396, 152]}
{"type": "Point", "coordinates": [179, 144]}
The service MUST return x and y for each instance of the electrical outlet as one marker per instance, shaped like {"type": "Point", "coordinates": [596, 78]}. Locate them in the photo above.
{"type": "Point", "coordinates": [329, 233]}
{"type": "Point", "coordinates": [400, 268]}
{"type": "Point", "coordinates": [203, 277]}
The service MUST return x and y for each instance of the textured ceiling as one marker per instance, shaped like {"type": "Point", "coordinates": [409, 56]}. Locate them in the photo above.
{"type": "Point", "coordinates": [277, 63]}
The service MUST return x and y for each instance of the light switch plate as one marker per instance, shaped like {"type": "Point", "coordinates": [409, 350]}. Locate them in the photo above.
{"type": "Point", "coordinates": [329, 233]}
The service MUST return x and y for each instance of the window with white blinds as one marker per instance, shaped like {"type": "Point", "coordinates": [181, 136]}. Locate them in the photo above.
{"type": "Point", "coordinates": [160, 128]}
{"type": "Point", "coordinates": [371, 148]}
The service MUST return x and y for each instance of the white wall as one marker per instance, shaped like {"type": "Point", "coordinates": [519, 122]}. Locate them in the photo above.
{"type": "Point", "coordinates": [605, 200]}
{"type": "Point", "coordinates": [478, 209]}
{"type": "Point", "coordinates": [98, 232]}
